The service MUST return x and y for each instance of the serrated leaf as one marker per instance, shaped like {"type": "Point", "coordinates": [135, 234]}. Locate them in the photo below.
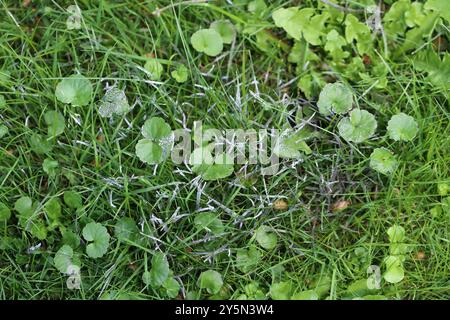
{"type": "Point", "coordinates": [358, 127]}
{"type": "Point", "coordinates": [335, 97]}
{"type": "Point", "coordinates": [180, 74]}
{"type": "Point", "coordinates": [156, 128]}
{"type": "Point", "coordinates": [383, 161]}
{"type": "Point", "coordinates": [402, 127]}
{"type": "Point", "coordinates": [73, 199]}
{"type": "Point", "coordinates": [98, 238]}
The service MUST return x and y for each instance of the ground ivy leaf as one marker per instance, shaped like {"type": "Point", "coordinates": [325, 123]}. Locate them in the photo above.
{"type": "Point", "coordinates": [180, 74]}
{"type": "Point", "coordinates": [335, 97]}
{"type": "Point", "coordinates": [159, 271]}
{"type": "Point", "coordinates": [155, 68]}
{"type": "Point", "coordinates": [383, 161]}
{"type": "Point", "coordinates": [207, 41]}
{"type": "Point", "coordinates": [211, 281]}
{"type": "Point", "coordinates": [73, 199]}
{"type": "Point", "coordinates": [98, 237]}
{"type": "Point", "coordinates": [5, 213]}
{"type": "Point", "coordinates": [76, 90]}
{"type": "Point", "coordinates": [226, 30]}
{"type": "Point", "coordinates": [209, 221]}
{"type": "Point", "coordinates": [402, 127]}
{"type": "Point", "coordinates": [55, 123]}
{"type": "Point", "coordinates": [266, 238]}
{"type": "Point", "coordinates": [360, 126]}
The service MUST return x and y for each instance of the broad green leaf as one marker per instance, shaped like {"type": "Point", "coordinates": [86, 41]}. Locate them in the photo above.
{"type": "Point", "coordinates": [114, 102]}
{"type": "Point", "coordinates": [396, 234]}
{"type": "Point", "coordinates": [98, 238]}
{"type": "Point", "coordinates": [209, 221]}
{"type": "Point", "coordinates": [402, 127]}
{"type": "Point", "coordinates": [225, 29]}
{"type": "Point", "coordinates": [76, 90]}
{"type": "Point", "coordinates": [49, 166]}
{"type": "Point", "coordinates": [53, 209]}
{"type": "Point", "coordinates": [39, 144]}
{"type": "Point", "coordinates": [290, 20]}
{"type": "Point", "coordinates": [306, 295]}
{"type": "Point", "coordinates": [394, 269]}
{"type": "Point", "coordinates": [440, 6]}
{"type": "Point", "coordinates": [291, 143]}
{"type": "Point", "coordinates": [281, 290]}
{"type": "Point", "coordinates": [256, 6]}
{"type": "Point", "coordinates": [126, 229]}
{"type": "Point", "coordinates": [211, 168]}
{"type": "Point", "coordinates": [443, 189]}
{"type": "Point", "coordinates": [172, 287]}
{"type": "Point", "coordinates": [247, 259]}
{"type": "Point", "coordinates": [149, 152]}
{"type": "Point", "coordinates": [71, 239]}
{"type": "Point", "coordinates": [156, 128]}
{"type": "Point", "coordinates": [359, 32]}
{"type": "Point", "coordinates": [358, 288]}
{"type": "Point", "coordinates": [334, 44]}
{"type": "Point", "coordinates": [207, 41]}
{"type": "Point", "coordinates": [24, 206]}
{"type": "Point", "coordinates": [64, 259]}
{"type": "Point", "coordinates": [383, 161]}
{"type": "Point", "coordinates": [55, 123]}
{"type": "Point", "coordinates": [5, 212]}
{"type": "Point", "coordinates": [266, 238]}
{"type": "Point", "coordinates": [155, 68]}
{"type": "Point", "coordinates": [358, 127]}
{"type": "Point", "coordinates": [335, 97]}
{"type": "Point", "coordinates": [211, 281]}
{"type": "Point", "coordinates": [438, 69]}
{"type": "Point", "coordinates": [73, 199]}
{"type": "Point", "coordinates": [415, 15]}
{"type": "Point", "coordinates": [180, 74]}
{"type": "Point", "coordinates": [159, 270]}
{"type": "Point", "coordinates": [415, 37]}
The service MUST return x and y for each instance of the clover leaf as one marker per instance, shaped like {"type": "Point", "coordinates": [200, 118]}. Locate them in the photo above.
{"type": "Point", "coordinates": [155, 68]}
{"type": "Point", "coordinates": [159, 271]}
{"type": "Point", "coordinates": [157, 143]}
{"type": "Point", "coordinates": [394, 269]}
{"type": "Point", "coordinates": [76, 90]}
{"type": "Point", "coordinates": [402, 127]}
{"type": "Point", "coordinates": [360, 126]}
{"type": "Point", "coordinates": [180, 74]}
{"type": "Point", "coordinates": [266, 238]}
{"type": "Point", "coordinates": [98, 237]}
{"type": "Point", "coordinates": [207, 41]}
{"type": "Point", "coordinates": [114, 102]}
{"type": "Point", "coordinates": [73, 199]}
{"type": "Point", "coordinates": [209, 221]}
{"type": "Point", "coordinates": [383, 161]}
{"type": "Point", "coordinates": [225, 29]}
{"type": "Point", "coordinates": [5, 213]}
{"type": "Point", "coordinates": [64, 259]}
{"type": "Point", "coordinates": [209, 167]}
{"type": "Point", "coordinates": [335, 97]}
{"type": "Point", "coordinates": [211, 281]}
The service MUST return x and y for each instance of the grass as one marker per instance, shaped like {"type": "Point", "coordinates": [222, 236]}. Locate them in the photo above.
{"type": "Point", "coordinates": [241, 88]}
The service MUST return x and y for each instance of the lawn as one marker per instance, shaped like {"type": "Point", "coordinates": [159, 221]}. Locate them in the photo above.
{"type": "Point", "coordinates": [93, 204]}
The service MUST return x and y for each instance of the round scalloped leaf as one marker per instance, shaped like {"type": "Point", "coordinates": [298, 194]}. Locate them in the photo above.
{"type": "Point", "coordinates": [396, 234]}
{"type": "Point", "coordinates": [211, 168]}
{"type": "Point", "coordinates": [211, 281]}
{"type": "Point", "coordinates": [159, 271]}
{"type": "Point", "coordinates": [126, 229]}
{"type": "Point", "coordinates": [73, 199]}
{"type": "Point", "coordinates": [180, 74]}
{"type": "Point", "coordinates": [55, 122]}
{"type": "Point", "coordinates": [226, 30]}
{"type": "Point", "coordinates": [265, 238]}
{"type": "Point", "coordinates": [383, 161]}
{"type": "Point", "coordinates": [98, 237]}
{"type": "Point", "coordinates": [402, 127]}
{"type": "Point", "coordinates": [76, 90]}
{"type": "Point", "coordinates": [156, 128]}
{"type": "Point", "coordinates": [64, 259]}
{"type": "Point", "coordinates": [155, 68]}
{"type": "Point", "coordinates": [335, 97]}
{"type": "Point", "coordinates": [358, 127]}
{"type": "Point", "coordinates": [114, 102]}
{"type": "Point", "coordinates": [207, 41]}
{"type": "Point", "coordinates": [149, 152]}
{"type": "Point", "coordinates": [208, 221]}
